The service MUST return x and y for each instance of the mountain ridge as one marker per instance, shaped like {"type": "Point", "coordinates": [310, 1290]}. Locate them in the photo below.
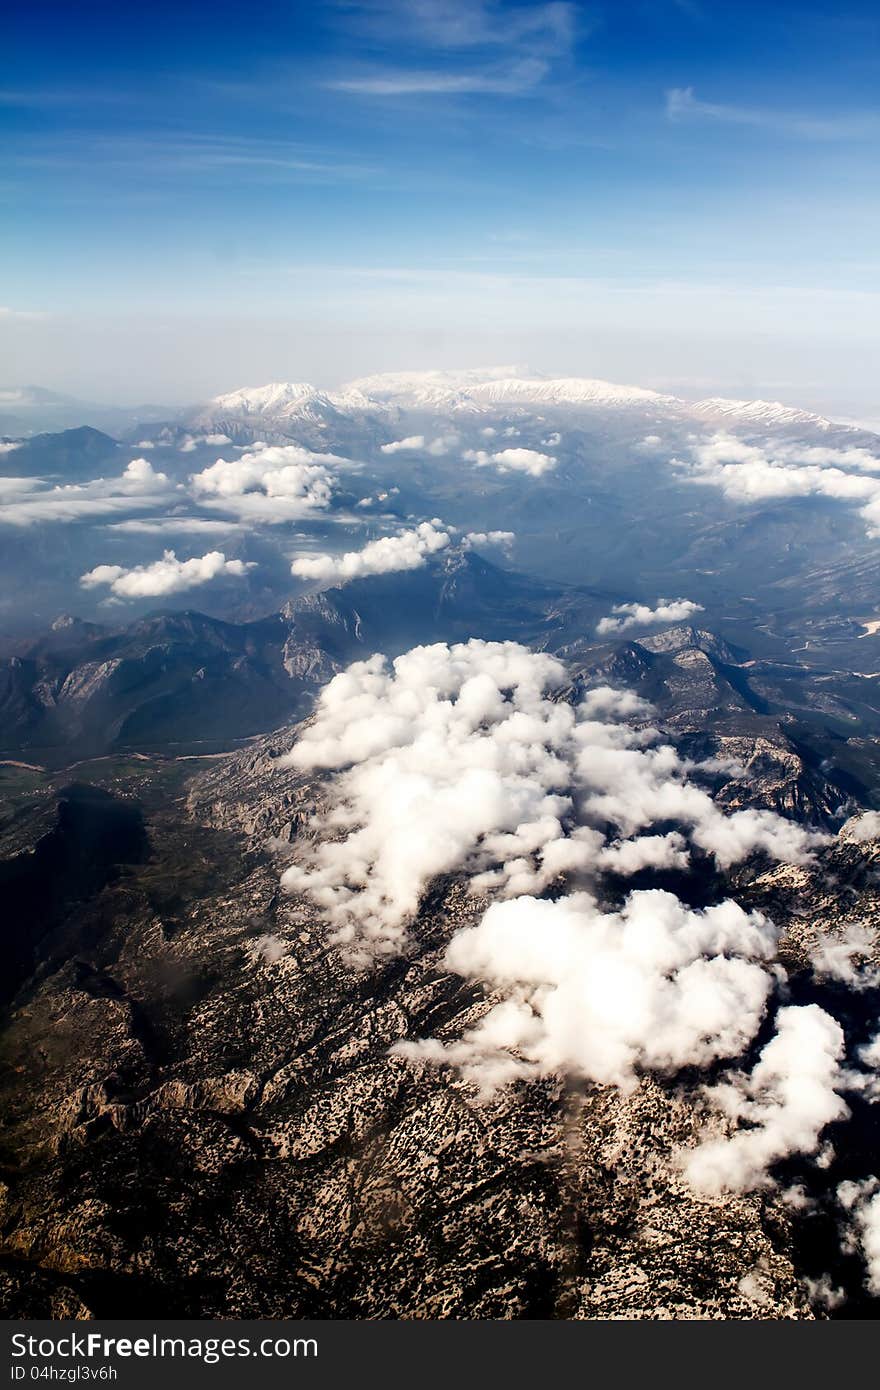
{"type": "Point", "coordinates": [478, 388]}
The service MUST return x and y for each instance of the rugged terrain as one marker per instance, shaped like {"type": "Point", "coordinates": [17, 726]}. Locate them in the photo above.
{"type": "Point", "coordinates": [203, 1118]}
{"type": "Point", "coordinates": [201, 1111]}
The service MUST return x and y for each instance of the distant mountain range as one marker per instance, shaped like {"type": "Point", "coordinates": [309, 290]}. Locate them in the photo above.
{"type": "Point", "coordinates": [280, 410]}
{"type": "Point", "coordinates": [282, 405]}
{"type": "Point", "coordinates": [27, 410]}
{"type": "Point", "coordinates": [187, 678]}
{"type": "Point", "coordinates": [186, 682]}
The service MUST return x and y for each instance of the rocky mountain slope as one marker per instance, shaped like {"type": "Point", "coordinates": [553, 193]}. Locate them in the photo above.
{"type": "Point", "coordinates": [185, 681]}
{"type": "Point", "coordinates": [186, 678]}
{"type": "Point", "coordinates": [210, 1122]}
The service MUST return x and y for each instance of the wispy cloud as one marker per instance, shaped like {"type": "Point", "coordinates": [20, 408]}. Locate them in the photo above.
{"type": "Point", "coordinates": [454, 47]}
{"type": "Point", "coordinates": [29, 502]}
{"type": "Point", "coordinates": [57, 96]}
{"type": "Point", "coordinates": [522, 77]}
{"type": "Point", "coordinates": [182, 155]}
{"type": "Point", "coordinates": [683, 105]}
{"type": "Point", "coordinates": [462, 24]}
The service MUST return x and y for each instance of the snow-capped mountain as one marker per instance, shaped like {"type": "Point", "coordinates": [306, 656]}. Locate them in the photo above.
{"type": "Point", "coordinates": [566, 391]}
{"type": "Point", "coordinates": [284, 410]}
{"type": "Point", "coordinates": [429, 389]}
{"type": "Point", "coordinates": [772, 413]}
{"type": "Point", "coordinates": [498, 386]}
{"type": "Point", "coordinates": [278, 399]}
{"type": "Point", "coordinates": [281, 406]}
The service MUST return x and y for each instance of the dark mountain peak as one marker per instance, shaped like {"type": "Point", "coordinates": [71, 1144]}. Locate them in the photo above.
{"type": "Point", "coordinates": [178, 623]}
{"type": "Point", "coordinates": [80, 437]}
{"type": "Point", "coordinates": [84, 434]}
{"type": "Point", "coordinates": [74, 454]}
{"type": "Point", "coordinates": [623, 664]}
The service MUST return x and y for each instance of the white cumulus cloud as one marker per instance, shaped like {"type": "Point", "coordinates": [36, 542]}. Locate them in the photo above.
{"type": "Point", "coordinates": [628, 615]}
{"type": "Point", "coordinates": [457, 758]}
{"type": "Point", "coordinates": [272, 484]}
{"type": "Point", "coordinates": [464, 759]}
{"type": "Point", "coordinates": [753, 473]}
{"type": "Point", "coordinates": [862, 1201]}
{"type": "Point", "coordinates": [407, 551]}
{"type": "Point", "coordinates": [601, 995]}
{"type": "Point", "coordinates": [401, 446]}
{"type": "Point", "coordinates": [779, 1108]}
{"type": "Point", "coordinates": [475, 539]}
{"type": "Point", "coordinates": [513, 461]}
{"type": "Point", "coordinates": [166, 576]}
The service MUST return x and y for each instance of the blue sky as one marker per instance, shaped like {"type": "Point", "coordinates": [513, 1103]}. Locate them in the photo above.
{"type": "Point", "coordinates": [678, 191]}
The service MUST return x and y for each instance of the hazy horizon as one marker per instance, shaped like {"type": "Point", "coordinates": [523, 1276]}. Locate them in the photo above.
{"type": "Point", "coordinates": [848, 405]}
